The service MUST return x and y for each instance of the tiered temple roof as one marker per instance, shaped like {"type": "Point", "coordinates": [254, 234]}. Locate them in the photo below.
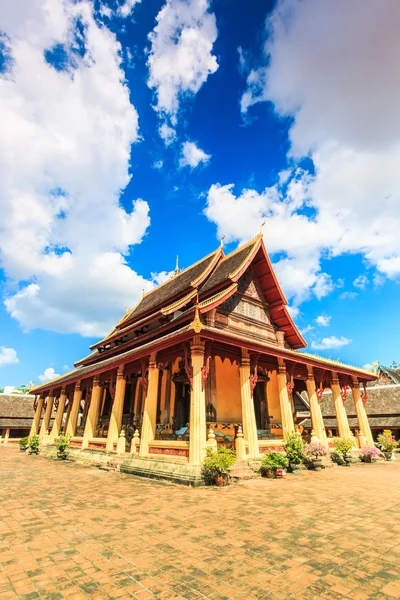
{"type": "Point", "coordinates": [164, 316]}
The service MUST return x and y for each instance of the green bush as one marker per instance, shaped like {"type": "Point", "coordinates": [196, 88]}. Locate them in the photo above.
{"type": "Point", "coordinates": [274, 460]}
{"type": "Point", "coordinates": [62, 446]}
{"type": "Point", "coordinates": [217, 463]}
{"type": "Point", "coordinates": [386, 441]}
{"type": "Point", "coordinates": [343, 445]}
{"type": "Point", "coordinates": [34, 444]}
{"type": "Point", "coordinates": [294, 448]}
{"type": "Point", "coordinates": [23, 443]}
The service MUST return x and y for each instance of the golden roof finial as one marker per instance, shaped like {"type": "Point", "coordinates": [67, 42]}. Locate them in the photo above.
{"type": "Point", "coordinates": [177, 265]}
{"type": "Point", "coordinates": [31, 385]}
{"type": "Point", "coordinates": [126, 308]}
{"type": "Point", "coordinates": [375, 366]}
{"type": "Point", "coordinates": [222, 241]}
{"type": "Point", "coordinates": [262, 227]}
{"type": "Point", "coordinates": [142, 292]}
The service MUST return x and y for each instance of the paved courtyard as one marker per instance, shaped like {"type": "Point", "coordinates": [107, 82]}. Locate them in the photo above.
{"type": "Point", "coordinates": [69, 531]}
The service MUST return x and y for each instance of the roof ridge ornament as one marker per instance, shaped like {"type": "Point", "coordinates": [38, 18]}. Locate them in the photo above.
{"type": "Point", "coordinates": [222, 241]}
{"type": "Point", "coordinates": [177, 265]}
{"type": "Point", "coordinates": [196, 324]}
{"type": "Point", "coordinates": [260, 235]}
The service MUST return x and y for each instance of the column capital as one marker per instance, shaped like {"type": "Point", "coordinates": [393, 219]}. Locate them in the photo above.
{"type": "Point", "coordinates": [335, 378]}
{"type": "Point", "coordinates": [63, 391]}
{"type": "Point", "coordinates": [354, 382]}
{"type": "Point", "coordinates": [310, 373]}
{"type": "Point", "coordinates": [245, 362]}
{"type": "Point", "coordinates": [78, 386]}
{"type": "Point", "coordinates": [197, 346]}
{"type": "Point", "coordinates": [51, 394]}
{"type": "Point", "coordinates": [153, 360]}
{"type": "Point", "coordinates": [96, 381]}
{"type": "Point", "coordinates": [120, 372]}
{"type": "Point", "coordinates": [281, 366]}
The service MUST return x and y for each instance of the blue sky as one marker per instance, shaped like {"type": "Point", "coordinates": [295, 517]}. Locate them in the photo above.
{"type": "Point", "coordinates": [135, 131]}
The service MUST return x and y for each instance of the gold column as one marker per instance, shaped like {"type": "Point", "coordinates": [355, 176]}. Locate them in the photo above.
{"type": "Point", "coordinates": [116, 411]}
{"type": "Point", "coordinates": [361, 412]}
{"type": "Point", "coordinates": [198, 434]}
{"type": "Point", "coordinates": [284, 401]}
{"type": "Point", "coordinates": [315, 408]}
{"type": "Point", "coordinates": [93, 414]}
{"type": "Point", "coordinates": [73, 415]}
{"type": "Point", "coordinates": [47, 415]}
{"type": "Point", "coordinates": [150, 407]}
{"type": "Point", "coordinates": [341, 416]}
{"type": "Point", "coordinates": [55, 432]}
{"type": "Point", "coordinates": [248, 413]}
{"type": "Point", "coordinates": [36, 418]}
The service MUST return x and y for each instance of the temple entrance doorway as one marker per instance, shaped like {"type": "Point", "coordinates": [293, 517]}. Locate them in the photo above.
{"type": "Point", "coordinates": [182, 405]}
{"type": "Point", "coordinates": [261, 406]}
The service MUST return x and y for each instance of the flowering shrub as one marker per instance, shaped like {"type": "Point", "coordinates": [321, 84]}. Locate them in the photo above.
{"type": "Point", "coordinates": [373, 452]}
{"type": "Point", "coordinates": [34, 443]}
{"type": "Point", "coordinates": [62, 446]}
{"type": "Point", "coordinates": [315, 450]}
{"type": "Point", "coordinates": [217, 463]}
{"type": "Point", "coordinates": [386, 441]}
{"type": "Point", "coordinates": [294, 447]}
{"type": "Point", "coordinates": [343, 445]}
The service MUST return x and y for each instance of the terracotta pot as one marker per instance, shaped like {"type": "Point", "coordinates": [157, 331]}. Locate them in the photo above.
{"type": "Point", "coordinates": [221, 480]}
{"type": "Point", "coordinates": [388, 455]}
{"type": "Point", "coordinates": [367, 458]}
{"type": "Point", "coordinates": [295, 468]}
{"type": "Point", "coordinates": [280, 473]}
{"type": "Point", "coordinates": [317, 463]}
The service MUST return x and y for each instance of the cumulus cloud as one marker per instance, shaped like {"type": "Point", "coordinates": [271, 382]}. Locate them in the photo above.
{"type": "Point", "coordinates": [180, 58]}
{"type": "Point", "coordinates": [66, 130]}
{"type": "Point", "coordinates": [360, 282]}
{"type": "Point", "coordinates": [192, 156]}
{"type": "Point", "coordinates": [158, 164]}
{"type": "Point", "coordinates": [48, 375]}
{"type": "Point", "coordinates": [127, 7]}
{"type": "Point", "coordinates": [348, 295]}
{"type": "Point", "coordinates": [8, 356]}
{"type": "Point", "coordinates": [322, 68]}
{"type": "Point", "coordinates": [323, 320]}
{"type": "Point", "coordinates": [330, 342]}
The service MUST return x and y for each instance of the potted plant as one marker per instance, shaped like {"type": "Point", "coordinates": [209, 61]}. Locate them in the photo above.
{"type": "Point", "coordinates": [315, 451]}
{"type": "Point", "coordinates": [216, 465]}
{"type": "Point", "coordinates": [387, 443]}
{"type": "Point", "coordinates": [294, 448]}
{"type": "Point", "coordinates": [23, 444]}
{"type": "Point", "coordinates": [34, 443]}
{"type": "Point", "coordinates": [369, 454]}
{"type": "Point", "coordinates": [343, 448]}
{"type": "Point", "coordinates": [62, 446]}
{"type": "Point", "coordinates": [274, 463]}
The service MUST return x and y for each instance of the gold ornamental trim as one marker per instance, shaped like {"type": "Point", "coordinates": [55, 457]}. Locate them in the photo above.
{"type": "Point", "coordinates": [175, 305]}
{"type": "Point", "coordinates": [219, 296]}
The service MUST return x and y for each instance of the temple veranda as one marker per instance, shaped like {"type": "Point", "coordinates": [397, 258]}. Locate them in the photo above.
{"type": "Point", "coordinates": [211, 356]}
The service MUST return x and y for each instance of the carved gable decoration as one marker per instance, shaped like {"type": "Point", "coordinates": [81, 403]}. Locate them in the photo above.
{"type": "Point", "coordinates": [248, 301]}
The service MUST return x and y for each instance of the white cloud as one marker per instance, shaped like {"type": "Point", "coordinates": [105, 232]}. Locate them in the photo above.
{"type": "Point", "coordinates": [192, 156]}
{"type": "Point", "coordinates": [360, 282]}
{"type": "Point", "coordinates": [306, 329]}
{"type": "Point", "coordinates": [127, 7]}
{"type": "Point", "coordinates": [167, 133]}
{"type": "Point", "coordinates": [180, 58]}
{"type": "Point", "coordinates": [368, 366]}
{"type": "Point", "coordinates": [348, 295]}
{"type": "Point", "coordinates": [48, 375]}
{"type": "Point", "coordinates": [64, 158]}
{"type": "Point", "coordinates": [322, 68]}
{"type": "Point", "coordinates": [330, 342]}
{"type": "Point", "coordinates": [294, 311]}
{"type": "Point", "coordinates": [9, 389]}
{"type": "Point", "coordinates": [323, 320]}
{"type": "Point", "coordinates": [158, 164]}
{"type": "Point", "coordinates": [8, 356]}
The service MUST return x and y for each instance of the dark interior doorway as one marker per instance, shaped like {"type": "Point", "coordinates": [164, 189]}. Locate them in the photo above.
{"type": "Point", "coordinates": [261, 406]}
{"type": "Point", "coordinates": [182, 404]}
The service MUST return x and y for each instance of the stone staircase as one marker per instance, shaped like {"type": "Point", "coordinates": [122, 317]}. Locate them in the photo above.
{"type": "Point", "coordinates": [113, 465]}
{"type": "Point", "coordinates": [241, 471]}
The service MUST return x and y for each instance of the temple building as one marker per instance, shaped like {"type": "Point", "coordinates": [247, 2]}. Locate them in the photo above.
{"type": "Point", "coordinates": [209, 356]}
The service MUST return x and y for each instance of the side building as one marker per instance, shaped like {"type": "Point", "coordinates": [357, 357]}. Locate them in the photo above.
{"type": "Point", "coordinates": [210, 353]}
{"type": "Point", "coordinates": [16, 414]}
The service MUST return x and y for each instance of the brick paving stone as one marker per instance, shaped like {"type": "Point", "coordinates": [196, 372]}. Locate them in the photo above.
{"type": "Point", "coordinates": [68, 531]}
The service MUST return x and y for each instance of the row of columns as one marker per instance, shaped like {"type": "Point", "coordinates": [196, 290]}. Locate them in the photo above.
{"type": "Point", "coordinates": [198, 435]}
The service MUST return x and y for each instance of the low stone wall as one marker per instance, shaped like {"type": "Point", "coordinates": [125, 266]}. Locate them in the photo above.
{"type": "Point", "coordinates": [162, 469]}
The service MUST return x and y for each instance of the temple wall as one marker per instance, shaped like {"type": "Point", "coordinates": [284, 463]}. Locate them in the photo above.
{"type": "Point", "coordinates": [274, 407]}
{"type": "Point", "coordinates": [228, 403]}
